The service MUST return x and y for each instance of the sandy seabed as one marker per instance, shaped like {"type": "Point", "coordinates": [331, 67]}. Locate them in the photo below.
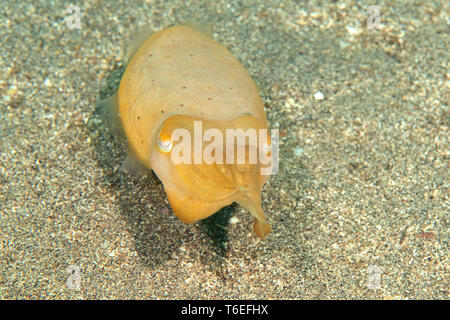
{"type": "Point", "coordinates": [359, 207]}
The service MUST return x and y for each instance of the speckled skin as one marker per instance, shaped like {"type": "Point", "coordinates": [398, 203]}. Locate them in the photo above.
{"type": "Point", "coordinates": [182, 71]}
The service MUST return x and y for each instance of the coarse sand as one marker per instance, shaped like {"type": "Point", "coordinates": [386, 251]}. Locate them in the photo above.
{"type": "Point", "coordinates": [359, 207]}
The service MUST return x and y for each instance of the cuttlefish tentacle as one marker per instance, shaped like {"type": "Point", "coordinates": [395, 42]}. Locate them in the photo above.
{"type": "Point", "coordinates": [251, 200]}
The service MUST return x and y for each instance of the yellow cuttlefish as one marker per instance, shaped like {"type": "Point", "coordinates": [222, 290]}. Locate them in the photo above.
{"type": "Point", "coordinates": [177, 79]}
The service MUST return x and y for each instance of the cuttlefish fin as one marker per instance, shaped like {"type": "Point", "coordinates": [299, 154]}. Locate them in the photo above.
{"type": "Point", "coordinates": [133, 166]}
{"type": "Point", "coordinates": [138, 40]}
{"type": "Point", "coordinates": [190, 210]}
{"type": "Point", "coordinates": [203, 27]}
{"type": "Point", "coordinates": [108, 109]}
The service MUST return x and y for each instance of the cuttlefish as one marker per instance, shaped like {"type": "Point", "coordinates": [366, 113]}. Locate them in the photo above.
{"type": "Point", "coordinates": [180, 78]}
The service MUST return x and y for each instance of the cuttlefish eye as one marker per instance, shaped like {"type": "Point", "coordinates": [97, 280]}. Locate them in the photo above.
{"type": "Point", "coordinates": [164, 142]}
